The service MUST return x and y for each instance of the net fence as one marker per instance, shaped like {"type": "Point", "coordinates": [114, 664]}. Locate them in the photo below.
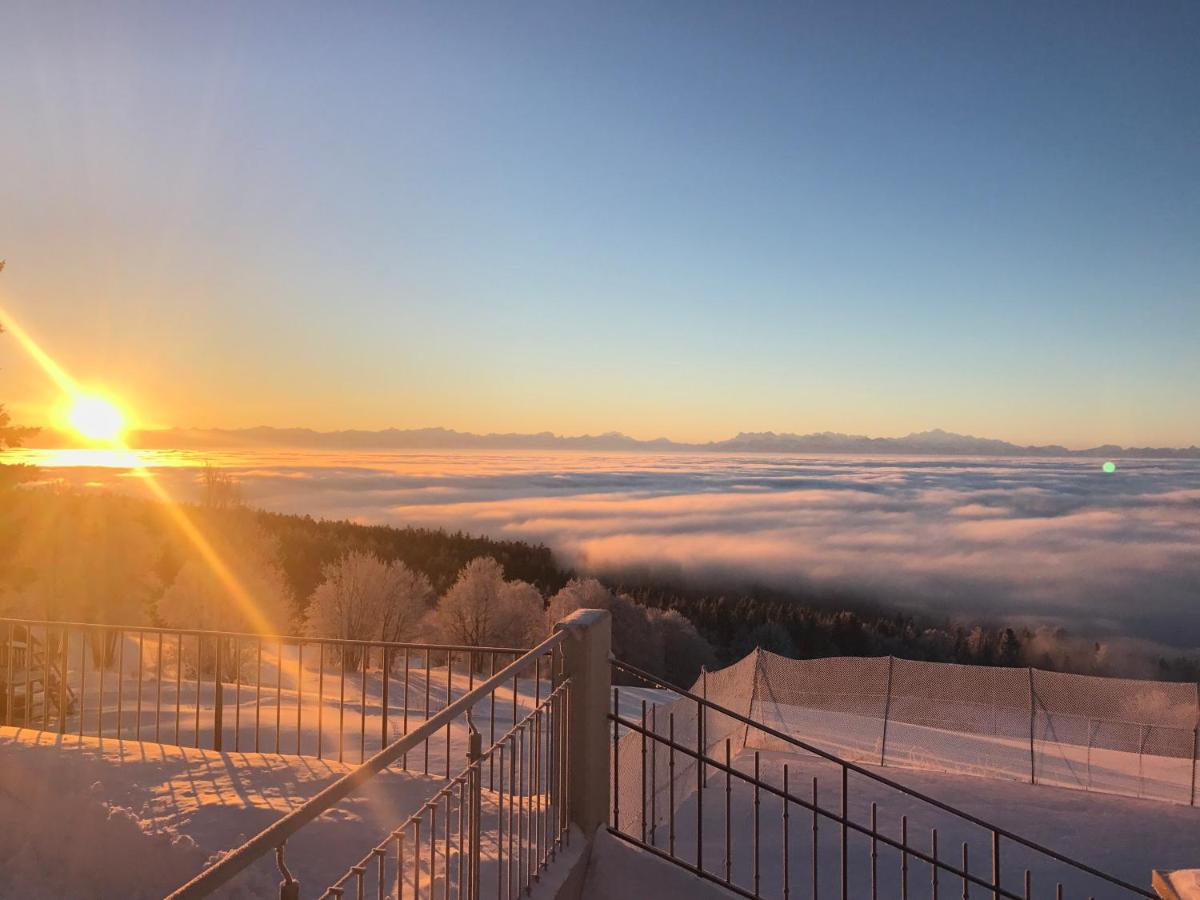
{"type": "Point", "coordinates": [1110, 735]}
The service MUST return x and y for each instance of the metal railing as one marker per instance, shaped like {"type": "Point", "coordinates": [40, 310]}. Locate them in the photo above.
{"type": "Point", "coordinates": [441, 846]}
{"type": "Point", "coordinates": [327, 698]}
{"type": "Point", "coordinates": [1009, 872]}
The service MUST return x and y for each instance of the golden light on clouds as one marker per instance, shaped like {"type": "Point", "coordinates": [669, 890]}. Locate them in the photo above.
{"type": "Point", "coordinates": [99, 419]}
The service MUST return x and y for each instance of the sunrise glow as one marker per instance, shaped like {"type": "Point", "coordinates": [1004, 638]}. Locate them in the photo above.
{"type": "Point", "coordinates": [96, 418]}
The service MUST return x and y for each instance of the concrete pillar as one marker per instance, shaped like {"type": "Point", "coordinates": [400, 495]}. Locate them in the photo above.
{"type": "Point", "coordinates": [585, 657]}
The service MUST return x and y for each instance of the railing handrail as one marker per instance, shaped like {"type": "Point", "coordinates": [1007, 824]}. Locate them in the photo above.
{"type": "Point", "coordinates": [273, 638]}
{"type": "Point", "coordinates": [279, 831]}
{"type": "Point", "coordinates": [873, 776]}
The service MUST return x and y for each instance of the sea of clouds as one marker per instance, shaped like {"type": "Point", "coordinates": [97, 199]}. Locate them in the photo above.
{"type": "Point", "coordinates": [1031, 540]}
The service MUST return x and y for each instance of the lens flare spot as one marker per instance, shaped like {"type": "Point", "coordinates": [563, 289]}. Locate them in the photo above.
{"type": "Point", "coordinates": [96, 419]}
{"type": "Point", "coordinates": [1109, 467]}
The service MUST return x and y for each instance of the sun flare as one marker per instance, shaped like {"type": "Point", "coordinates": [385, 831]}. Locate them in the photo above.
{"type": "Point", "coordinates": [96, 418]}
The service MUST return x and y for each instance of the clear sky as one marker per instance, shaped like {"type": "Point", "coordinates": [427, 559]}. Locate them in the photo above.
{"type": "Point", "coordinates": [681, 219]}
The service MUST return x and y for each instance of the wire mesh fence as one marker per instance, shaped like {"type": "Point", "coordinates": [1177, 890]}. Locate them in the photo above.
{"type": "Point", "coordinates": [692, 782]}
{"type": "Point", "coordinates": [1113, 735]}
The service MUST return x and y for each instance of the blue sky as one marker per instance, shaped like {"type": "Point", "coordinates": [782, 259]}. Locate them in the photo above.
{"type": "Point", "coordinates": [680, 219]}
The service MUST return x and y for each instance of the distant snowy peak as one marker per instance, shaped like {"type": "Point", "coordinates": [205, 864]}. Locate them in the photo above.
{"type": "Point", "coordinates": [935, 442]}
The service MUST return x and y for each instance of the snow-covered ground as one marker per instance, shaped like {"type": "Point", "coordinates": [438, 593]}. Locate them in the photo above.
{"type": "Point", "coordinates": [101, 817]}
{"type": "Point", "coordinates": [1054, 762]}
{"type": "Point", "coordinates": [95, 818]}
{"type": "Point", "coordinates": [107, 818]}
{"type": "Point", "coordinates": [1123, 836]}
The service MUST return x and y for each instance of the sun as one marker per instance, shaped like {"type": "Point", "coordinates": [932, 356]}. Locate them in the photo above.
{"type": "Point", "coordinates": [96, 419]}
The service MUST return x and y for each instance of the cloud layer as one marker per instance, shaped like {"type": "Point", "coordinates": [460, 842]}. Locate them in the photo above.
{"type": "Point", "coordinates": [1032, 540]}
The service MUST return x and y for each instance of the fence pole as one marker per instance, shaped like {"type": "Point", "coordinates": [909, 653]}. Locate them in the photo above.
{"type": "Point", "coordinates": [475, 788]}
{"type": "Point", "coordinates": [218, 696]}
{"type": "Point", "coordinates": [585, 657]}
{"type": "Point", "coordinates": [1032, 714]}
{"type": "Point", "coordinates": [1195, 743]}
{"type": "Point", "coordinates": [887, 709]}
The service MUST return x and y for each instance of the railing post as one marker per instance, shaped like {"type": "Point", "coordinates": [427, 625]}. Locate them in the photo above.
{"type": "Point", "coordinates": [289, 888]}
{"type": "Point", "coordinates": [586, 662]}
{"type": "Point", "coordinates": [218, 694]}
{"type": "Point", "coordinates": [1032, 719]}
{"type": "Point", "coordinates": [474, 791]}
{"type": "Point", "coordinates": [887, 711]}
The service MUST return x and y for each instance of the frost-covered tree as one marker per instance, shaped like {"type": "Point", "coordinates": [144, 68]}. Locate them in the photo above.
{"type": "Point", "coordinates": [633, 638]}
{"type": "Point", "coordinates": [12, 436]}
{"type": "Point", "coordinates": [83, 557]}
{"type": "Point", "coordinates": [364, 598]}
{"type": "Point", "coordinates": [684, 650]}
{"type": "Point", "coordinates": [482, 609]}
{"type": "Point", "coordinates": [245, 592]}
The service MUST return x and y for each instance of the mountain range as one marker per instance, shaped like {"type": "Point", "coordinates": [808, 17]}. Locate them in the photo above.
{"type": "Point", "coordinates": [926, 443]}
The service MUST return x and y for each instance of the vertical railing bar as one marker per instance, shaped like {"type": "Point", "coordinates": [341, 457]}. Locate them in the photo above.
{"type": "Point", "coordinates": [46, 678]}
{"type": "Point", "coordinates": [432, 807]}
{"type": "Point", "coordinates": [278, 696]}
{"type": "Point", "coordinates": [845, 832]}
{"type": "Point", "coordinates": [757, 802]}
{"type": "Point", "coordinates": [300, 695]}
{"type": "Point", "coordinates": [404, 759]}
{"type": "Point", "coordinates": [728, 812]}
{"type": "Point", "coordinates": [995, 865]}
{"type": "Point", "coordinates": [342, 706]}
{"type": "Point", "coordinates": [158, 694]}
{"type": "Point", "coordinates": [257, 693]}
{"type": "Point", "coordinates": [670, 785]}
{"type": "Point", "coordinates": [499, 826]}
{"type": "Point", "coordinates": [522, 814]}
{"type": "Point", "coordinates": [380, 892]}
{"type": "Point", "coordinates": [874, 850]}
{"type": "Point", "coordinates": [237, 695]}
{"type": "Point", "coordinates": [428, 678]}
{"type": "Point", "coordinates": [399, 858]}
{"type": "Point", "coordinates": [616, 789]}
{"type": "Point", "coordinates": [362, 708]}
{"type": "Point", "coordinates": [199, 667]}
{"type": "Point", "coordinates": [9, 687]}
{"type": "Point", "coordinates": [492, 723]}
{"type": "Point", "coordinates": [512, 796]}
{"type": "Point", "coordinates": [966, 885]}
{"type": "Point", "coordinates": [102, 662]}
{"type": "Point", "coordinates": [904, 857]}
{"type": "Point", "coordinates": [787, 871]}
{"type": "Point", "coordinates": [321, 706]}
{"type": "Point", "coordinates": [386, 675]}
{"type": "Point", "coordinates": [141, 656]}
{"type": "Point", "coordinates": [654, 777]}
{"type": "Point", "coordinates": [642, 812]}
{"type": "Point", "coordinates": [416, 856]}
{"type": "Point", "coordinates": [934, 865]}
{"type": "Point", "coordinates": [178, 683]}
{"type": "Point", "coordinates": [64, 706]}
{"type": "Point", "coordinates": [83, 642]}
{"type": "Point", "coordinates": [701, 746]}
{"type": "Point", "coordinates": [815, 838]}
{"type": "Point", "coordinates": [449, 694]}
